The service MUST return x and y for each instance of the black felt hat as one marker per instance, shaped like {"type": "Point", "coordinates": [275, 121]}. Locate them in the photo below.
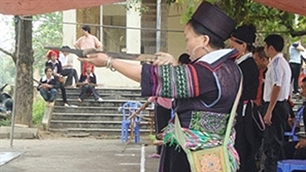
{"type": "Point", "coordinates": [215, 20]}
{"type": "Point", "coordinates": [245, 33]}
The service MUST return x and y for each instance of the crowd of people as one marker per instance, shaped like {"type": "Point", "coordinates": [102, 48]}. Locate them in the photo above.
{"type": "Point", "coordinates": [202, 89]}
{"type": "Point", "coordinates": [58, 66]}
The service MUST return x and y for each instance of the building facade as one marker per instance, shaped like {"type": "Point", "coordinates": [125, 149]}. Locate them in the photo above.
{"type": "Point", "coordinates": [122, 30]}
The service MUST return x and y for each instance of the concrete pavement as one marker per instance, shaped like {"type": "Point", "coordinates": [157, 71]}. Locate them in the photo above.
{"type": "Point", "coordinates": [77, 155]}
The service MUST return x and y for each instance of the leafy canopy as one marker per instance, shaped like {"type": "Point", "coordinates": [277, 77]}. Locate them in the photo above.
{"type": "Point", "coordinates": [266, 19]}
{"type": "Point", "coordinates": [47, 30]}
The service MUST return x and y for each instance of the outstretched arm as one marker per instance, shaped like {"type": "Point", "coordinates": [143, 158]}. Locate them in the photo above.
{"type": "Point", "coordinates": [130, 70]}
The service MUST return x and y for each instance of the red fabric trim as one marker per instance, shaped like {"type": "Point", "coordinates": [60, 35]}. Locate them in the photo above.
{"type": "Point", "coordinates": [208, 67]}
{"type": "Point", "coordinates": [196, 85]}
{"type": "Point", "coordinates": [234, 56]}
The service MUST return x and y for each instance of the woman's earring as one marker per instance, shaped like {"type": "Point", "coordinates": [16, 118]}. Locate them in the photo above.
{"type": "Point", "coordinates": [206, 49]}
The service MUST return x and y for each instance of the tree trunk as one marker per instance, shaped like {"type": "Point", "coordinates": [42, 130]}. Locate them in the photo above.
{"type": "Point", "coordinates": [24, 63]}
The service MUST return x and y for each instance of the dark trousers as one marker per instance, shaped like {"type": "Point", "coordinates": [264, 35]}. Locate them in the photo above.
{"type": "Point", "coordinates": [63, 90]}
{"type": "Point", "coordinates": [292, 153]}
{"type": "Point", "coordinates": [245, 149]}
{"type": "Point", "coordinates": [161, 118]}
{"type": "Point", "coordinates": [173, 159]}
{"type": "Point", "coordinates": [274, 136]}
{"type": "Point", "coordinates": [88, 89]}
{"type": "Point", "coordinates": [248, 139]}
{"type": "Point", "coordinates": [70, 73]}
{"type": "Point", "coordinates": [295, 69]}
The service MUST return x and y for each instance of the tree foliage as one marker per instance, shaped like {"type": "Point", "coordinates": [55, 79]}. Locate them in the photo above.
{"type": "Point", "coordinates": [47, 31]}
{"type": "Point", "coordinates": [266, 19]}
{"type": "Point", "coordinates": [7, 67]}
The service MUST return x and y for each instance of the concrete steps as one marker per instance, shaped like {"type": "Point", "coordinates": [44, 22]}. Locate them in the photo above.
{"type": "Point", "coordinates": [298, 101]}
{"type": "Point", "coordinates": [103, 118]}
{"type": "Point", "coordinates": [90, 124]}
{"type": "Point", "coordinates": [93, 103]}
{"type": "Point", "coordinates": [95, 118]}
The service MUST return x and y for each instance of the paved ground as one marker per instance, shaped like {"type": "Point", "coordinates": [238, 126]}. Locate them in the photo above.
{"type": "Point", "coordinates": [77, 155]}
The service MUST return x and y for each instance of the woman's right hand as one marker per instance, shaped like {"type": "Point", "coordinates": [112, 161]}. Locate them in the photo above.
{"type": "Point", "coordinates": [98, 60]}
{"type": "Point", "coordinates": [165, 59]}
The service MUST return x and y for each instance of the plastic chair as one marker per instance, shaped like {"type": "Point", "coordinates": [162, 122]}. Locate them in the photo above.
{"type": "Point", "coordinates": [298, 118]}
{"type": "Point", "coordinates": [127, 109]}
{"type": "Point", "coordinates": [290, 165]}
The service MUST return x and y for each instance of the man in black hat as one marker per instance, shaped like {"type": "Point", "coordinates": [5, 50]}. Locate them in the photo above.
{"type": "Point", "coordinates": [204, 90]}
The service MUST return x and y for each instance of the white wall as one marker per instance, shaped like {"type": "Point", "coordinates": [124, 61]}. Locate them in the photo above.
{"type": "Point", "coordinates": [105, 77]}
{"type": "Point", "coordinates": [69, 35]}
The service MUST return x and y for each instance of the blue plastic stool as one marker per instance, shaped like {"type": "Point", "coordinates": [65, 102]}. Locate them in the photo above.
{"type": "Point", "coordinates": [127, 109]}
{"type": "Point", "coordinates": [290, 165]}
{"type": "Point", "coordinates": [298, 118]}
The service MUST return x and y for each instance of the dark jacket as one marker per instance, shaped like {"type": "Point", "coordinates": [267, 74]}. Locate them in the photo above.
{"type": "Point", "coordinates": [250, 74]}
{"type": "Point", "coordinates": [249, 91]}
{"type": "Point", "coordinates": [53, 81]}
{"type": "Point", "coordinates": [92, 78]}
{"type": "Point", "coordinates": [57, 65]}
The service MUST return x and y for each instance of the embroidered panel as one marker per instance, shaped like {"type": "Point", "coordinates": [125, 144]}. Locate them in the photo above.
{"type": "Point", "coordinates": [209, 122]}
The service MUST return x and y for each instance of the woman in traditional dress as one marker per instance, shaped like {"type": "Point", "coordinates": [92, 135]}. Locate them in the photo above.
{"type": "Point", "coordinates": [247, 140]}
{"type": "Point", "coordinates": [204, 90]}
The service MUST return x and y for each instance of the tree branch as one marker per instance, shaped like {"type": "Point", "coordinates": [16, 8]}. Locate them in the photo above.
{"type": "Point", "coordinates": [298, 33]}
{"type": "Point", "coordinates": [6, 52]}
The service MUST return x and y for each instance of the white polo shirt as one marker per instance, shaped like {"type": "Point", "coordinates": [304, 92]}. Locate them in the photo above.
{"type": "Point", "coordinates": [64, 60]}
{"type": "Point", "coordinates": [295, 55]}
{"type": "Point", "coordinates": [278, 73]}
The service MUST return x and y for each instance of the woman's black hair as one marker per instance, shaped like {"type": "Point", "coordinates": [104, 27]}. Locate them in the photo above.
{"type": "Point", "coordinates": [250, 47]}
{"type": "Point", "coordinates": [46, 69]}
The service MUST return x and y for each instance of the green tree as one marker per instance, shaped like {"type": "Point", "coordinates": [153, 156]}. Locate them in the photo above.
{"type": "Point", "coordinates": [266, 19]}
{"type": "Point", "coordinates": [48, 31]}
{"type": "Point", "coordinates": [7, 68]}
{"type": "Point", "coordinates": [23, 58]}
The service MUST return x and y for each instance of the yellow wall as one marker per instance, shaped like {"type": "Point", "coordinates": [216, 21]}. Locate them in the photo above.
{"type": "Point", "coordinates": [113, 38]}
{"type": "Point", "coordinates": [176, 40]}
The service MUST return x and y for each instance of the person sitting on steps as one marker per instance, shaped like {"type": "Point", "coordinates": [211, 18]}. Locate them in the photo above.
{"type": "Point", "coordinates": [297, 149]}
{"type": "Point", "coordinates": [88, 82]}
{"type": "Point", "coordinates": [67, 68]}
{"type": "Point", "coordinates": [48, 86]}
{"type": "Point", "coordinates": [56, 67]}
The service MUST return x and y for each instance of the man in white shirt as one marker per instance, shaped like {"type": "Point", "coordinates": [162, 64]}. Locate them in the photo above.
{"type": "Point", "coordinates": [276, 107]}
{"type": "Point", "coordinates": [67, 68]}
{"type": "Point", "coordinates": [295, 52]}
